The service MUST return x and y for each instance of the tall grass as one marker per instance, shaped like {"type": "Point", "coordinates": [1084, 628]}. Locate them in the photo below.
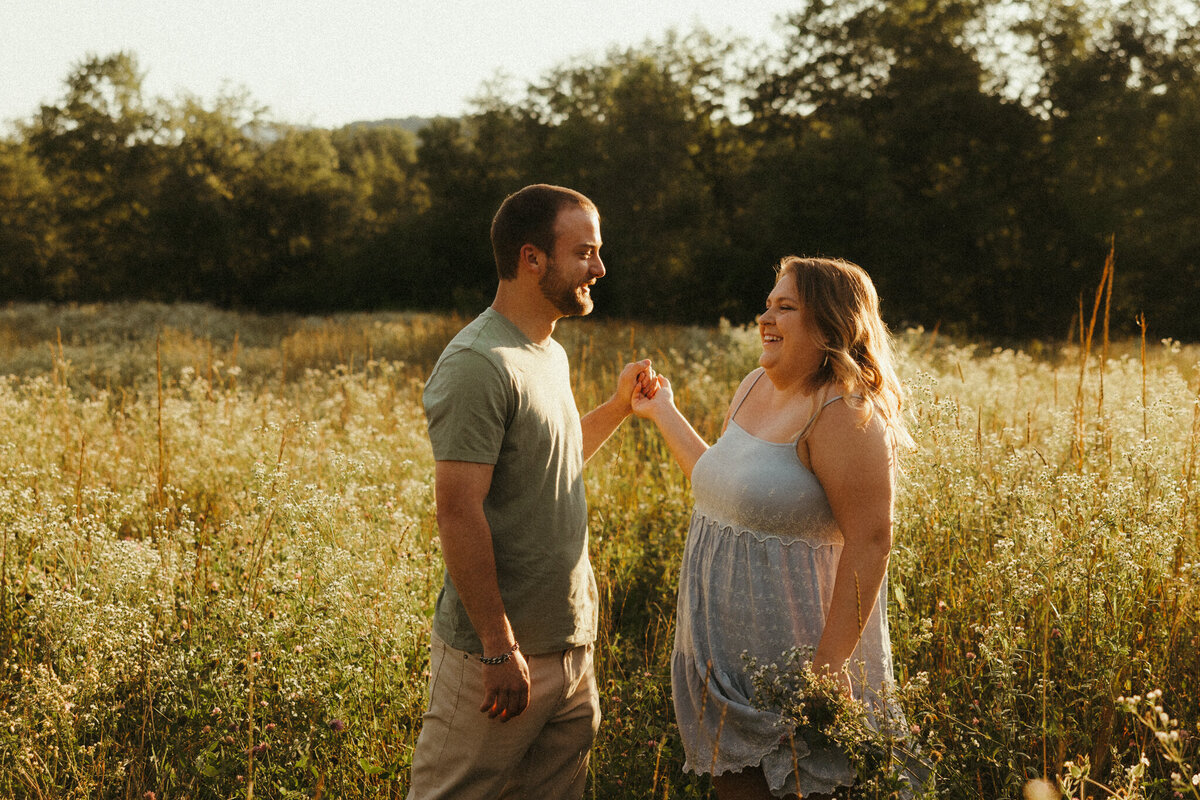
{"type": "Point", "coordinates": [219, 555]}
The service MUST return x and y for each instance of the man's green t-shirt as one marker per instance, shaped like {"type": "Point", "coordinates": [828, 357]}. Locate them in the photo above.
{"type": "Point", "coordinates": [495, 397]}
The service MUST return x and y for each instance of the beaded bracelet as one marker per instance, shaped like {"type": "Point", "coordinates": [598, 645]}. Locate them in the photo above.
{"type": "Point", "coordinates": [500, 659]}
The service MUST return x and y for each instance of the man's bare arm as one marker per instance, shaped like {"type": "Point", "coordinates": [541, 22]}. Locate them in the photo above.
{"type": "Point", "coordinates": [460, 489]}
{"type": "Point", "coordinates": [599, 423]}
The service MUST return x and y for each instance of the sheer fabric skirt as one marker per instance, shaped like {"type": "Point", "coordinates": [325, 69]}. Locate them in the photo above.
{"type": "Point", "coordinates": [743, 593]}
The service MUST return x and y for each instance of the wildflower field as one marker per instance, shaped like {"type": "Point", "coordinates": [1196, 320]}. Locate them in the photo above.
{"type": "Point", "coordinates": [219, 556]}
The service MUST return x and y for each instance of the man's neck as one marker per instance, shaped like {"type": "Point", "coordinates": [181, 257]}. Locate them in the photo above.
{"type": "Point", "coordinates": [533, 316]}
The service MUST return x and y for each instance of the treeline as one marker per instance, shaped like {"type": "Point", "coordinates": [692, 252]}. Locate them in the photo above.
{"type": "Point", "coordinates": [976, 156]}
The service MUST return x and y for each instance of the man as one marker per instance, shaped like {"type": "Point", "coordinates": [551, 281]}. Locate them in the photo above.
{"type": "Point", "coordinates": [513, 705]}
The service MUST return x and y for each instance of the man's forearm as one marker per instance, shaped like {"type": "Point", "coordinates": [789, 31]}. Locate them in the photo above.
{"type": "Point", "coordinates": [600, 423]}
{"type": "Point", "coordinates": [467, 550]}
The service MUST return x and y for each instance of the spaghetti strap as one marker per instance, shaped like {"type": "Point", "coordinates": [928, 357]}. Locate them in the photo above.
{"type": "Point", "coordinates": [808, 426]}
{"type": "Point", "coordinates": [747, 394]}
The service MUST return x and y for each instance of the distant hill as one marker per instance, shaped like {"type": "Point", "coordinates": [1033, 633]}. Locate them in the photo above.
{"type": "Point", "coordinates": [410, 124]}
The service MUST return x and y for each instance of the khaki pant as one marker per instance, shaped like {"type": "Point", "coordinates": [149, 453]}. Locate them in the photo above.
{"type": "Point", "coordinates": [540, 754]}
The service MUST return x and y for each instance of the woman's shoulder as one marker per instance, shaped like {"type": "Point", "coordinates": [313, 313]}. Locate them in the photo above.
{"type": "Point", "coordinates": [746, 385]}
{"type": "Point", "coordinates": [740, 393]}
{"type": "Point", "coordinates": [847, 411]}
{"type": "Point", "coordinates": [831, 393]}
{"type": "Point", "coordinates": [748, 381]}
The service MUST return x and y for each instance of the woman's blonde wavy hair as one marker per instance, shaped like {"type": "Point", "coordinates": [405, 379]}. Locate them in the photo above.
{"type": "Point", "coordinates": [843, 310]}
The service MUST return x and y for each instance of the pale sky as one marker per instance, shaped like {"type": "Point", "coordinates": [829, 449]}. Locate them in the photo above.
{"type": "Point", "coordinates": [330, 62]}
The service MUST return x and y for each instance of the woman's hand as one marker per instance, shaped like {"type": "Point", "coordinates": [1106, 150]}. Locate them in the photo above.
{"type": "Point", "coordinates": [654, 400]}
{"type": "Point", "coordinates": [839, 678]}
{"type": "Point", "coordinates": [634, 376]}
{"type": "Point", "coordinates": [652, 397]}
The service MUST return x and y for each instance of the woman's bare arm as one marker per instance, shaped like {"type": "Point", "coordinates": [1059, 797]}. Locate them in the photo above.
{"type": "Point", "coordinates": [853, 462]}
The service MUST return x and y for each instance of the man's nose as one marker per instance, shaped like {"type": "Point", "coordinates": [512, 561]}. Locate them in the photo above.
{"type": "Point", "coordinates": [597, 267]}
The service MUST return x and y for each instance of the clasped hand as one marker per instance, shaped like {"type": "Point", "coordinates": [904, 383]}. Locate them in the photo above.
{"type": "Point", "coordinates": [636, 378]}
{"type": "Point", "coordinates": [651, 396]}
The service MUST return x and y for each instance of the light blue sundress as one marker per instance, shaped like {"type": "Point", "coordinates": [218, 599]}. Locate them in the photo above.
{"type": "Point", "coordinates": [757, 578]}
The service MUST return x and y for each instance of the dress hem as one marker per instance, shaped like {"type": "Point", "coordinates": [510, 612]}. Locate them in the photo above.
{"type": "Point", "coordinates": [822, 787]}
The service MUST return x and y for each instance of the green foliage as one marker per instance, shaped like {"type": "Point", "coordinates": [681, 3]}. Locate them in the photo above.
{"type": "Point", "coordinates": [644, 136]}
{"type": "Point", "coordinates": [29, 247]}
{"type": "Point", "coordinates": [97, 149]}
{"type": "Point", "coordinates": [977, 156]}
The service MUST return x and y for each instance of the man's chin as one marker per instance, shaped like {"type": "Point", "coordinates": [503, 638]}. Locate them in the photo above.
{"type": "Point", "coordinates": [576, 306]}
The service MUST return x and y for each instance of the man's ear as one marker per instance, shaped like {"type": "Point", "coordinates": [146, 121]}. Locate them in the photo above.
{"type": "Point", "coordinates": [532, 257]}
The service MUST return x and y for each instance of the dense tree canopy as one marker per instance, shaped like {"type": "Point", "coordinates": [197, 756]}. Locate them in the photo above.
{"type": "Point", "coordinates": [976, 156]}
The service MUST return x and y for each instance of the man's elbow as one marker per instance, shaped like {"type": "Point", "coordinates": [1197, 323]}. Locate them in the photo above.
{"type": "Point", "coordinates": [456, 516]}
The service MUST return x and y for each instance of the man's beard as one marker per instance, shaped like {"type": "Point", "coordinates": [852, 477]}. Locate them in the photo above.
{"type": "Point", "coordinates": [563, 295]}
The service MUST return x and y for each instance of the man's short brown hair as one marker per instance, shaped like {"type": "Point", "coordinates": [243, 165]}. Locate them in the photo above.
{"type": "Point", "coordinates": [528, 217]}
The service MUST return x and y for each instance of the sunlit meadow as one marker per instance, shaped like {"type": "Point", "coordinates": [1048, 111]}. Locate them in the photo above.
{"type": "Point", "coordinates": [219, 556]}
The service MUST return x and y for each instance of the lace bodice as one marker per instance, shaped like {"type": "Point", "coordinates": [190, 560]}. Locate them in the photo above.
{"type": "Point", "coordinates": [762, 488]}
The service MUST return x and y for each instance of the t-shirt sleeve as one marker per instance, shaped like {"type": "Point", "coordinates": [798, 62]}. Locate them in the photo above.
{"type": "Point", "coordinates": [466, 406]}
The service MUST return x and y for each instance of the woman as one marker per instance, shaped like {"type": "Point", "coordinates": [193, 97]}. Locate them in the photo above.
{"type": "Point", "coordinates": [789, 540]}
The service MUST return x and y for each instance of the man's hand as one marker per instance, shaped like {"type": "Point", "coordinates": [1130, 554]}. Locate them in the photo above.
{"type": "Point", "coordinates": [634, 376]}
{"type": "Point", "coordinates": [506, 688]}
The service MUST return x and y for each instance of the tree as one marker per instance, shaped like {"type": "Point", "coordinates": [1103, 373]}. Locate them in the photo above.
{"type": "Point", "coordinates": [1120, 92]}
{"type": "Point", "coordinates": [98, 148]}
{"type": "Point", "coordinates": [974, 155]}
{"type": "Point", "coordinates": [200, 239]}
{"type": "Point", "coordinates": [958, 222]}
{"type": "Point", "coordinates": [459, 161]}
{"type": "Point", "coordinates": [648, 135]}
{"type": "Point", "coordinates": [299, 206]}
{"type": "Point", "coordinates": [29, 227]}
{"type": "Point", "coordinates": [381, 246]}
